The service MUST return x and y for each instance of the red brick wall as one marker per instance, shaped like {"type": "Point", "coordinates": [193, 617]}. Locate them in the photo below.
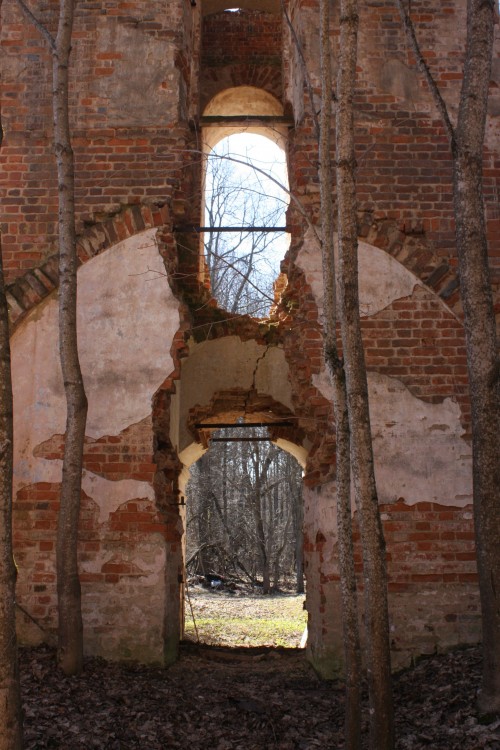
{"type": "Point", "coordinates": [35, 525]}
{"type": "Point", "coordinates": [240, 49]}
{"type": "Point", "coordinates": [116, 165]}
{"type": "Point", "coordinates": [415, 340]}
{"type": "Point", "coordinates": [404, 179]}
{"type": "Point", "coordinates": [114, 457]}
{"type": "Point", "coordinates": [404, 165]}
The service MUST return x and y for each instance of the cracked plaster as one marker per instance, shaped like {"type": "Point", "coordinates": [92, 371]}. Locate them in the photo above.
{"type": "Point", "coordinates": [226, 364]}
{"type": "Point", "coordinates": [419, 450]}
{"type": "Point", "coordinates": [382, 279]}
{"type": "Point", "coordinates": [124, 341]}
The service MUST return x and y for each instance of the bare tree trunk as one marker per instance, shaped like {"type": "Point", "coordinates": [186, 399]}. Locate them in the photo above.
{"type": "Point", "coordinates": [11, 735]}
{"type": "Point", "coordinates": [70, 644]}
{"type": "Point", "coordinates": [480, 334]}
{"type": "Point", "coordinates": [255, 496]}
{"type": "Point", "coordinates": [466, 142]}
{"type": "Point", "coordinates": [70, 632]}
{"type": "Point", "coordinates": [298, 526]}
{"type": "Point", "coordinates": [350, 625]}
{"type": "Point", "coordinates": [374, 568]}
{"type": "Point", "coordinates": [203, 513]}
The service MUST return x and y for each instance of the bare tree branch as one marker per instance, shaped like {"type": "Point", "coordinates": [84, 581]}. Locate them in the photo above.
{"type": "Point", "coordinates": [38, 25]}
{"type": "Point", "coordinates": [424, 68]}
{"type": "Point", "coordinates": [305, 70]}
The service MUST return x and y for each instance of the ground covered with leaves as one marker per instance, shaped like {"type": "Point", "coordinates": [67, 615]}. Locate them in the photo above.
{"type": "Point", "coordinates": [241, 683]}
{"type": "Point", "coordinates": [239, 699]}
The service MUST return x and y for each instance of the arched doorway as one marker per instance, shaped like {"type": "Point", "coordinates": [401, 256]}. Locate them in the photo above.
{"type": "Point", "coordinates": [224, 381]}
{"type": "Point", "coordinates": [243, 550]}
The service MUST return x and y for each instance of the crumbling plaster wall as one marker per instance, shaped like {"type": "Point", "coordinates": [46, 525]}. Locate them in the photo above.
{"type": "Point", "coordinates": [403, 156]}
{"type": "Point", "coordinates": [423, 469]}
{"type": "Point", "coordinates": [127, 319]}
{"type": "Point", "coordinates": [227, 364]}
{"type": "Point", "coordinates": [139, 154]}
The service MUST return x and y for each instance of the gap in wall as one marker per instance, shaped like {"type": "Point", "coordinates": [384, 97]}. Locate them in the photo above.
{"type": "Point", "coordinates": [242, 189]}
{"type": "Point", "coordinates": [244, 567]}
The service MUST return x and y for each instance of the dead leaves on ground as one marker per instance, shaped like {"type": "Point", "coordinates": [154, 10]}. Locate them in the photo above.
{"type": "Point", "coordinates": [236, 700]}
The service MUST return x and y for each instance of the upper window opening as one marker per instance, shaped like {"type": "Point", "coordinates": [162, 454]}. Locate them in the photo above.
{"type": "Point", "coordinates": [246, 190]}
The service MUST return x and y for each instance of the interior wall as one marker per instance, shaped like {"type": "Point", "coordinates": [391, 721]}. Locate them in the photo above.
{"type": "Point", "coordinates": [124, 341]}
{"type": "Point", "coordinates": [423, 467]}
{"type": "Point", "coordinates": [138, 77]}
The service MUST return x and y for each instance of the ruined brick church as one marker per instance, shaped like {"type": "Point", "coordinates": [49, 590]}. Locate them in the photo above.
{"type": "Point", "coordinates": [155, 84]}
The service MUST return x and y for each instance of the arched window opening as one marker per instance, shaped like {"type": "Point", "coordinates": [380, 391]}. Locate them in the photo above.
{"type": "Point", "coordinates": [243, 542]}
{"type": "Point", "coordinates": [245, 205]}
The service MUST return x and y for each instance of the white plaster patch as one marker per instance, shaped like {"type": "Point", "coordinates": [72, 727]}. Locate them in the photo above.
{"type": "Point", "coordinates": [109, 495]}
{"type": "Point", "coordinates": [127, 318]}
{"type": "Point", "coordinates": [382, 279]}
{"type": "Point", "coordinates": [142, 88]}
{"type": "Point", "coordinates": [148, 559]}
{"type": "Point", "coordinates": [320, 516]}
{"type": "Point", "coordinates": [271, 376]}
{"type": "Point", "coordinates": [418, 447]}
{"type": "Point", "coordinates": [37, 390]}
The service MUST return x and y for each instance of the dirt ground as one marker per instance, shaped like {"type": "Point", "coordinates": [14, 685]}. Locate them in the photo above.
{"type": "Point", "coordinates": [217, 698]}
{"type": "Point", "coordinates": [243, 619]}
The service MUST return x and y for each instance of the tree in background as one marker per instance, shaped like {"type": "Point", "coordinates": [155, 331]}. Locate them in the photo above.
{"type": "Point", "coordinates": [70, 629]}
{"type": "Point", "coordinates": [244, 513]}
{"type": "Point", "coordinates": [466, 140]}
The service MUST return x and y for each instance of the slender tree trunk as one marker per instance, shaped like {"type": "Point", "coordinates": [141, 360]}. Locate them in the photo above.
{"type": "Point", "coordinates": [482, 357]}
{"type": "Point", "coordinates": [203, 512]}
{"type": "Point", "coordinates": [375, 578]}
{"type": "Point", "coordinates": [298, 523]}
{"type": "Point", "coordinates": [70, 645]}
{"type": "Point", "coordinates": [11, 736]}
{"type": "Point", "coordinates": [466, 142]}
{"type": "Point", "coordinates": [350, 625]}
{"type": "Point", "coordinates": [70, 630]}
{"type": "Point", "coordinates": [256, 497]}
{"type": "Point", "coordinates": [485, 405]}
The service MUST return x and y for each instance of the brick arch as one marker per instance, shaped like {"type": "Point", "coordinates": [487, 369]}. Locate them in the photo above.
{"type": "Point", "coordinates": [251, 54]}
{"type": "Point", "coordinates": [28, 290]}
{"type": "Point", "coordinates": [264, 77]}
{"type": "Point", "coordinates": [408, 244]}
{"type": "Point", "coordinates": [229, 405]}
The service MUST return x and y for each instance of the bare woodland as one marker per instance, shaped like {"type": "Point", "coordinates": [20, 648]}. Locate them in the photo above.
{"type": "Point", "coordinates": [242, 264]}
{"type": "Point", "coordinates": [245, 514]}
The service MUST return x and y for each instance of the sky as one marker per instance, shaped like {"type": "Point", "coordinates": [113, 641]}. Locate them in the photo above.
{"type": "Point", "coordinates": [265, 155]}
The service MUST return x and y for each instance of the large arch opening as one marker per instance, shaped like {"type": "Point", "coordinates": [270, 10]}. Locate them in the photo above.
{"type": "Point", "coordinates": [244, 393]}
{"type": "Point", "coordinates": [245, 198]}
